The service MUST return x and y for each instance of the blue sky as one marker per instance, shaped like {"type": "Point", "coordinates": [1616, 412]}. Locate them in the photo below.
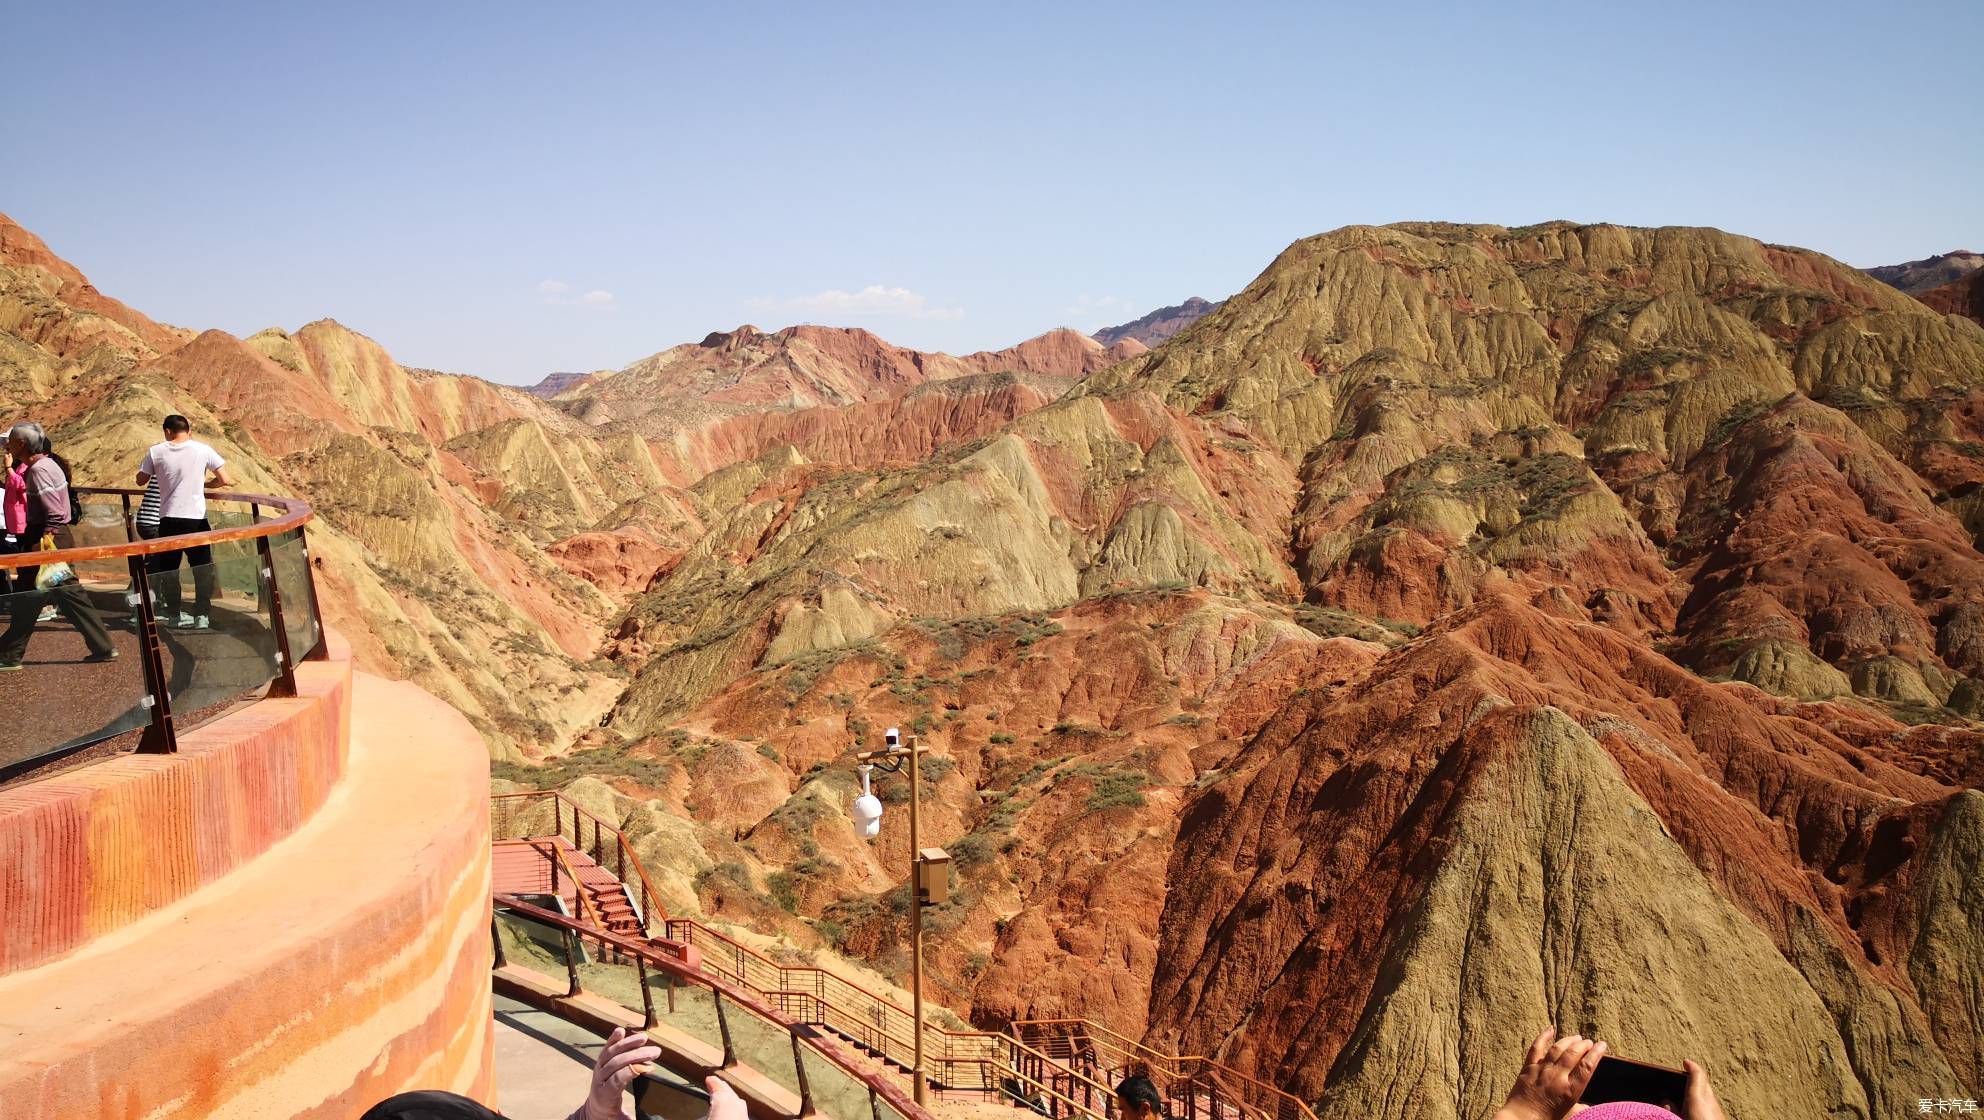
{"type": "Point", "coordinates": [513, 189]}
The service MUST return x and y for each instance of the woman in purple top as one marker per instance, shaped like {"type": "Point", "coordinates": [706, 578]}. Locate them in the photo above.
{"type": "Point", "coordinates": [48, 514]}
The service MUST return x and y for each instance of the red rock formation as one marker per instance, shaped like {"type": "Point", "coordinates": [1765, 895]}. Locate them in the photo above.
{"type": "Point", "coordinates": [1963, 297]}
{"type": "Point", "coordinates": [73, 292]}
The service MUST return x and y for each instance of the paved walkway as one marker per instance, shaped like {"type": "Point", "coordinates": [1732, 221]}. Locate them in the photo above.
{"type": "Point", "coordinates": [543, 1063]}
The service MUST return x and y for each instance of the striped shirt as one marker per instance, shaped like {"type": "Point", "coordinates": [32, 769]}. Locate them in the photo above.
{"type": "Point", "coordinates": [148, 509]}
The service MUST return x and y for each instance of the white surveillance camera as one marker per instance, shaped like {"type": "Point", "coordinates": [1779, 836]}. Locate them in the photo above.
{"type": "Point", "coordinates": [892, 737]}
{"type": "Point", "coordinates": [867, 810]}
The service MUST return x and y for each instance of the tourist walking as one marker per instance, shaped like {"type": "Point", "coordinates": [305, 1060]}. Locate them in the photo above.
{"type": "Point", "coordinates": [181, 465]}
{"type": "Point", "coordinates": [49, 514]}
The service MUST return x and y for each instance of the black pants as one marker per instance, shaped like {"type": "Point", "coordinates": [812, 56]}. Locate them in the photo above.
{"type": "Point", "coordinates": [70, 603]}
{"type": "Point", "coordinates": [10, 544]}
{"type": "Point", "coordinates": [164, 568]}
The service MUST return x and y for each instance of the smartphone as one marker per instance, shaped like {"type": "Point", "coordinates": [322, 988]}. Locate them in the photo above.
{"type": "Point", "coordinates": [1622, 1079]}
{"type": "Point", "coordinates": [657, 1098]}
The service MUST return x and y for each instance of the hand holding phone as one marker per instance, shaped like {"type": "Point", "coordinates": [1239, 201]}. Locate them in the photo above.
{"type": "Point", "coordinates": [1622, 1079]}
{"type": "Point", "coordinates": [658, 1098]}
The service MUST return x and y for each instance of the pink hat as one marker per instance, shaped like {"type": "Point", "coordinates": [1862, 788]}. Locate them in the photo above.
{"type": "Point", "coordinates": [1626, 1110]}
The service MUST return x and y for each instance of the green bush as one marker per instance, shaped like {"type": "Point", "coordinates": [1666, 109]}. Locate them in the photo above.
{"type": "Point", "coordinates": [1118, 789]}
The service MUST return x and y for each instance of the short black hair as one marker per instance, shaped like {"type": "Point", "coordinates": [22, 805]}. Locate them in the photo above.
{"type": "Point", "coordinates": [178, 423]}
{"type": "Point", "coordinates": [1138, 1089]}
{"type": "Point", "coordinates": [429, 1105]}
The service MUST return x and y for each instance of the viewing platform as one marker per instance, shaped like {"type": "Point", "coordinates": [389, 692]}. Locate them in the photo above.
{"type": "Point", "coordinates": [271, 896]}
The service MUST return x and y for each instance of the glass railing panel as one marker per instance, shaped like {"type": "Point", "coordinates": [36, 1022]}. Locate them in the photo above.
{"type": "Point", "coordinates": [55, 689]}
{"type": "Point", "coordinates": [836, 1093]}
{"type": "Point", "coordinates": [764, 1046]}
{"type": "Point", "coordinates": [688, 1008]}
{"type": "Point", "coordinates": [99, 521]}
{"type": "Point", "coordinates": [531, 944]}
{"type": "Point", "coordinates": [214, 630]}
{"type": "Point", "coordinates": [290, 569]}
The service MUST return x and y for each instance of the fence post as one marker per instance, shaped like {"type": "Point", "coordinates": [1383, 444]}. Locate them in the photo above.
{"type": "Point", "coordinates": [723, 1028]}
{"type": "Point", "coordinates": [285, 682]}
{"type": "Point", "coordinates": [571, 962]}
{"type": "Point", "coordinates": [160, 736]}
{"type": "Point", "coordinates": [799, 1068]}
{"type": "Point", "coordinates": [647, 994]}
{"type": "Point", "coordinates": [130, 525]}
{"type": "Point", "coordinates": [496, 939]}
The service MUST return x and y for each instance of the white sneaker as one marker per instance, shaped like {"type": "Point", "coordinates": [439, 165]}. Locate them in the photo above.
{"type": "Point", "coordinates": [48, 614]}
{"type": "Point", "coordinates": [199, 622]}
{"type": "Point", "coordinates": [185, 622]}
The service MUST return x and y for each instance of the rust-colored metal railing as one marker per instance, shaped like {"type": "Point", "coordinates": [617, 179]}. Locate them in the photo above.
{"type": "Point", "coordinates": [1195, 1087]}
{"type": "Point", "coordinates": [285, 604]}
{"type": "Point", "coordinates": [726, 997]}
{"type": "Point", "coordinates": [512, 819]}
{"type": "Point", "coordinates": [1060, 1068]}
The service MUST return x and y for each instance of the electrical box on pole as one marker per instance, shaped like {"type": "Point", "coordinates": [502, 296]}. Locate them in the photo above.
{"type": "Point", "coordinates": [933, 876]}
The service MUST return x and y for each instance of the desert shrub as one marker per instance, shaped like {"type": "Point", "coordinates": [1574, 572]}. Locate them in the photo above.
{"type": "Point", "coordinates": [1118, 789]}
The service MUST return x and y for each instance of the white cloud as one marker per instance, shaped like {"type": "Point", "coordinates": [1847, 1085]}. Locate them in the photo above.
{"type": "Point", "coordinates": [873, 300]}
{"type": "Point", "coordinates": [558, 293]}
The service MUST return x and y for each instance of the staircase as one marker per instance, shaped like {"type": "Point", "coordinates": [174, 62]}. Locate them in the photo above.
{"type": "Point", "coordinates": [553, 867]}
{"type": "Point", "coordinates": [1058, 1068]}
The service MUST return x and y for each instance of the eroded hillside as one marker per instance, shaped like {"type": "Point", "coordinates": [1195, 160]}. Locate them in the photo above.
{"type": "Point", "coordinates": [1460, 629]}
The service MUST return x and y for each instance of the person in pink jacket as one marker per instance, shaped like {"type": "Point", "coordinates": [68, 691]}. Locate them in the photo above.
{"type": "Point", "coordinates": [13, 516]}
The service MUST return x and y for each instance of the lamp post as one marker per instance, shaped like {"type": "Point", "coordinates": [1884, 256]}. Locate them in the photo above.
{"type": "Point", "coordinates": [929, 871]}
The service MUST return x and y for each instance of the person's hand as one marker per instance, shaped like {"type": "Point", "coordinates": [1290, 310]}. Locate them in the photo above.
{"type": "Point", "coordinates": [725, 1104]}
{"type": "Point", "coordinates": [1701, 1102]}
{"type": "Point", "coordinates": [1554, 1074]}
{"type": "Point", "coordinates": [619, 1062]}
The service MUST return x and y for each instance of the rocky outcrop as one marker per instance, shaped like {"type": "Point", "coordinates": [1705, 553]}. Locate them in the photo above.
{"type": "Point", "coordinates": [1461, 629]}
{"type": "Point", "coordinates": [1058, 353]}
{"type": "Point", "coordinates": [1963, 297]}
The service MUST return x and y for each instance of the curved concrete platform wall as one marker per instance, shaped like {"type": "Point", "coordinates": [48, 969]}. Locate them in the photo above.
{"type": "Point", "coordinates": [347, 962]}
{"type": "Point", "coordinates": [88, 851]}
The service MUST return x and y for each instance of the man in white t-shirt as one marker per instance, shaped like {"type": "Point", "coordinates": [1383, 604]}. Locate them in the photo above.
{"type": "Point", "coordinates": [181, 465]}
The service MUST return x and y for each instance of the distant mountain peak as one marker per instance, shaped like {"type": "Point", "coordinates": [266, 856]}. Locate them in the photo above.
{"type": "Point", "coordinates": [1916, 277]}
{"type": "Point", "coordinates": [1160, 324]}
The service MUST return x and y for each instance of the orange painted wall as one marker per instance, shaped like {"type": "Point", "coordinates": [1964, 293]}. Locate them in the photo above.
{"type": "Point", "coordinates": [345, 964]}
{"type": "Point", "coordinates": [94, 849]}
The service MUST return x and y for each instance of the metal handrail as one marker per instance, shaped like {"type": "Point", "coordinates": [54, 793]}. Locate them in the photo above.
{"type": "Point", "coordinates": [877, 1022]}
{"type": "Point", "coordinates": [161, 733]}
{"type": "Point", "coordinates": [295, 512]}
{"type": "Point", "coordinates": [883, 1025]}
{"type": "Point", "coordinates": [648, 957]}
{"type": "Point", "coordinates": [1257, 1096]}
{"type": "Point", "coordinates": [627, 854]}
{"type": "Point", "coordinates": [578, 887]}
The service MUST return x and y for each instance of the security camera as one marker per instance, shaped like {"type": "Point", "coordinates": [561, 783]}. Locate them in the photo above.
{"type": "Point", "coordinates": [892, 737]}
{"type": "Point", "coordinates": [867, 810]}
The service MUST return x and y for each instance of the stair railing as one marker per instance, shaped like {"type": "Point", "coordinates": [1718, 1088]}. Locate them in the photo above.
{"type": "Point", "coordinates": [882, 1091]}
{"type": "Point", "coordinates": [1032, 1056]}
{"type": "Point", "coordinates": [642, 893]}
